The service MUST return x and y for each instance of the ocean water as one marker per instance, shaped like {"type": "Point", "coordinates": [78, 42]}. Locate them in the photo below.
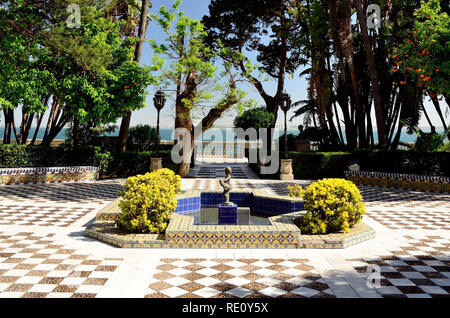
{"type": "Point", "coordinates": [228, 134]}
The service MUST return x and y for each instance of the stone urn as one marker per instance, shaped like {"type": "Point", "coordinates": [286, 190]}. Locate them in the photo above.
{"type": "Point", "coordinates": [156, 164]}
{"type": "Point", "coordinates": [302, 145]}
{"type": "Point", "coordinates": [286, 172]}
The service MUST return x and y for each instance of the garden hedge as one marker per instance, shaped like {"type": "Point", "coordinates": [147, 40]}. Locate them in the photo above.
{"type": "Point", "coordinates": [121, 165]}
{"type": "Point", "coordinates": [318, 165]}
{"type": "Point", "coordinates": [332, 165]}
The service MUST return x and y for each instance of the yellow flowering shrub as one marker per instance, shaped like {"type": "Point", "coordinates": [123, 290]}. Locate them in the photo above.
{"type": "Point", "coordinates": [332, 205]}
{"type": "Point", "coordinates": [295, 191]}
{"type": "Point", "coordinates": [148, 201]}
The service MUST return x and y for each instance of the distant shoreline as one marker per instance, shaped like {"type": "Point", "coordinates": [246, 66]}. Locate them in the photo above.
{"type": "Point", "coordinates": [167, 134]}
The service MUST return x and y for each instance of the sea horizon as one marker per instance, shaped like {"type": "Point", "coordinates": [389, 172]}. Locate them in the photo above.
{"type": "Point", "coordinates": [167, 134]}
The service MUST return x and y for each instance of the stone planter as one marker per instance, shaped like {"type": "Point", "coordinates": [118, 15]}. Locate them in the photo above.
{"type": "Point", "coordinates": [286, 172]}
{"type": "Point", "coordinates": [156, 164]}
{"type": "Point", "coordinates": [302, 145]}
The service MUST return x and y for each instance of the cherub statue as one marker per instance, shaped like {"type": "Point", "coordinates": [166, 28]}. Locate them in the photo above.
{"type": "Point", "coordinates": [226, 185]}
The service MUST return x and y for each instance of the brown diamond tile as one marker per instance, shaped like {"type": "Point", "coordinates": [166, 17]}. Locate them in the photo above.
{"type": "Point", "coordinates": [223, 286]}
{"type": "Point", "coordinates": [193, 267]}
{"type": "Point", "coordinates": [192, 276]}
{"type": "Point", "coordinates": [65, 289]}
{"type": "Point", "coordinates": [254, 286]}
{"type": "Point", "coordinates": [224, 295]}
{"type": "Point", "coordinates": [25, 266]}
{"type": "Point", "coordinates": [222, 267]}
{"type": "Point", "coordinates": [249, 268]}
{"type": "Point", "coordinates": [37, 273]}
{"type": "Point", "coordinates": [104, 268]}
{"type": "Point", "coordinates": [281, 276]}
{"type": "Point", "coordinates": [34, 295]}
{"type": "Point", "coordinates": [189, 295]}
{"type": "Point", "coordinates": [156, 295]}
{"type": "Point", "coordinates": [160, 286]}
{"type": "Point", "coordinates": [195, 260]}
{"type": "Point", "coordinates": [286, 286]}
{"type": "Point", "coordinates": [222, 276]}
{"type": "Point", "coordinates": [8, 279]}
{"type": "Point", "coordinates": [304, 267]}
{"type": "Point", "coordinates": [251, 276]}
{"type": "Point", "coordinates": [19, 287]}
{"type": "Point", "coordinates": [83, 295]}
{"type": "Point", "coordinates": [317, 286]}
{"type": "Point", "coordinates": [165, 267]}
{"type": "Point", "coordinates": [95, 281]}
{"type": "Point", "coordinates": [51, 280]}
{"type": "Point", "coordinates": [191, 287]}
{"type": "Point", "coordinates": [91, 262]}
{"type": "Point", "coordinates": [163, 276]}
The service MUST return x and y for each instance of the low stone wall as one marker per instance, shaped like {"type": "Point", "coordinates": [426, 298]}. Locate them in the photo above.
{"type": "Point", "coordinates": [47, 175]}
{"type": "Point", "coordinates": [400, 181]}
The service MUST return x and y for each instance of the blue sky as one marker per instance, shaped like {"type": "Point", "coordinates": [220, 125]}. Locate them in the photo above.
{"type": "Point", "coordinates": [197, 9]}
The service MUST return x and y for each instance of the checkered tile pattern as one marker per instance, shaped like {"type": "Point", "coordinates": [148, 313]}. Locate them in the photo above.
{"type": "Point", "coordinates": [421, 269]}
{"type": "Point", "coordinates": [54, 204]}
{"type": "Point", "coordinates": [93, 192]}
{"type": "Point", "coordinates": [41, 215]}
{"type": "Point", "coordinates": [37, 266]}
{"type": "Point", "coordinates": [244, 278]}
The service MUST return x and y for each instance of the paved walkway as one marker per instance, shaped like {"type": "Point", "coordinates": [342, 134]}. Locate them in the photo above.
{"type": "Point", "coordinates": [43, 252]}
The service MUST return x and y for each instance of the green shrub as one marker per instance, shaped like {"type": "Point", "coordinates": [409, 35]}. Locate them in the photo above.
{"type": "Point", "coordinates": [148, 201]}
{"type": "Point", "coordinates": [126, 164]}
{"type": "Point", "coordinates": [141, 138]}
{"type": "Point", "coordinates": [254, 118]}
{"type": "Point", "coordinates": [17, 156]}
{"type": "Point", "coordinates": [332, 205]}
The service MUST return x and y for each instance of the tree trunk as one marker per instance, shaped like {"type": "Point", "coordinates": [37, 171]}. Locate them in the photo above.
{"type": "Point", "coordinates": [373, 73]}
{"type": "Point", "coordinates": [76, 130]}
{"type": "Point", "coordinates": [126, 120]}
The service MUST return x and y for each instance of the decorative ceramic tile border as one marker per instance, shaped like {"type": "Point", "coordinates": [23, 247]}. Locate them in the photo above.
{"type": "Point", "coordinates": [182, 233]}
{"type": "Point", "coordinates": [401, 181]}
{"type": "Point", "coordinates": [48, 175]}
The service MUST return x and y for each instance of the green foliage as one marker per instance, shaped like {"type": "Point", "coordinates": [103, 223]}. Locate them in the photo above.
{"type": "Point", "coordinates": [254, 118]}
{"type": "Point", "coordinates": [332, 205]}
{"type": "Point", "coordinates": [429, 142]}
{"type": "Point", "coordinates": [15, 156]}
{"type": "Point", "coordinates": [89, 70]}
{"type": "Point", "coordinates": [185, 54]}
{"type": "Point", "coordinates": [88, 133]}
{"type": "Point", "coordinates": [141, 138]}
{"type": "Point", "coordinates": [316, 165]}
{"type": "Point", "coordinates": [148, 202]}
{"type": "Point", "coordinates": [424, 55]}
{"type": "Point", "coordinates": [126, 164]}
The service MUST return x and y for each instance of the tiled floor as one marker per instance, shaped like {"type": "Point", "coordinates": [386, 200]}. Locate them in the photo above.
{"type": "Point", "coordinates": [38, 266]}
{"type": "Point", "coordinates": [243, 278]}
{"type": "Point", "coordinates": [43, 252]}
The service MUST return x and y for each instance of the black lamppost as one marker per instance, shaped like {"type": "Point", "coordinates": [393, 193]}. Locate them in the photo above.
{"type": "Point", "coordinates": [285, 106]}
{"type": "Point", "coordinates": [159, 100]}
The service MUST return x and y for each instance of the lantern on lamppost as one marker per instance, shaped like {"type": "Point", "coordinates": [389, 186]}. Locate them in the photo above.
{"type": "Point", "coordinates": [159, 101]}
{"type": "Point", "coordinates": [286, 104]}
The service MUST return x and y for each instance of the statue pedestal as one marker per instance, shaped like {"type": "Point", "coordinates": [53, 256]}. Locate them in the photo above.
{"type": "Point", "coordinates": [156, 164]}
{"type": "Point", "coordinates": [286, 170]}
{"type": "Point", "coordinates": [228, 214]}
